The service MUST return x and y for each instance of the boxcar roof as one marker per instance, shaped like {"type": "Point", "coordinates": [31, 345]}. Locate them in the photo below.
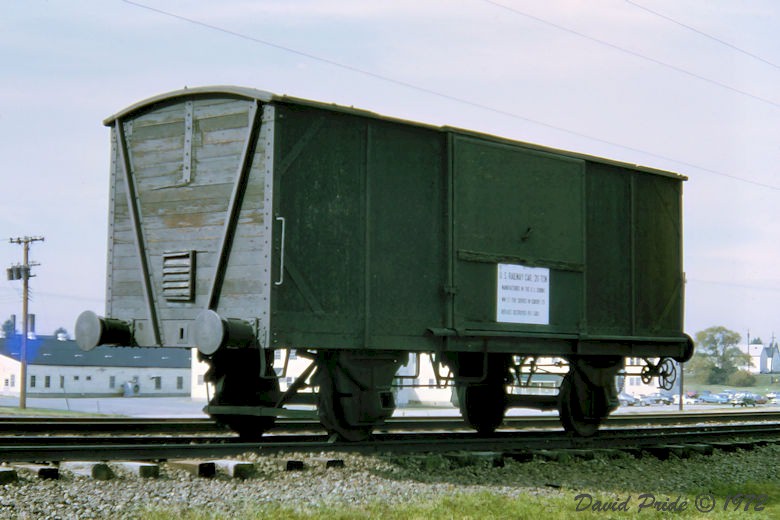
{"type": "Point", "coordinates": [267, 97]}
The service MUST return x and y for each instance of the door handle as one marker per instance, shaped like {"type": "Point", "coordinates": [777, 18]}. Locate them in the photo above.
{"type": "Point", "coordinates": [280, 281]}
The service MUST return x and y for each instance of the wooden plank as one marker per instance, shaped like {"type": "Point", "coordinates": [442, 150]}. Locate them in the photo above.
{"type": "Point", "coordinates": [205, 261]}
{"type": "Point", "coordinates": [128, 289]}
{"type": "Point", "coordinates": [195, 192]}
{"type": "Point", "coordinates": [160, 115]}
{"type": "Point", "coordinates": [138, 469]}
{"type": "Point", "coordinates": [198, 468]}
{"type": "Point", "coordinates": [42, 471]}
{"type": "Point", "coordinates": [160, 131]}
{"type": "Point", "coordinates": [235, 468]}
{"type": "Point", "coordinates": [93, 470]}
{"type": "Point", "coordinates": [220, 148]}
{"type": "Point", "coordinates": [217, 122]}
{"type": "Point", "coordinates": [239, 279]}
{"type": "Point", "coordinates": [222, 143]}
{"type": "Point", "coordinates": [146, 157]}
{"type": "Point", "coordinates": [205, 108]}
{"type": "Point", "coordinates": [7, 475]}
{"type": "Point", "coordinates": [216, 107]}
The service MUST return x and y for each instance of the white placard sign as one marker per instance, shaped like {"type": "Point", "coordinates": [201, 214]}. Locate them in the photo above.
{"type": "Point", "coordinates": [523, 294]}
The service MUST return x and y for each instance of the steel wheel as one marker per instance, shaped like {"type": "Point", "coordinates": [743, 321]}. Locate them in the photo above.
{"type": "Point", "coordinates": [570, 410]}
{"type": "Point", "coordinates": [354, 391]}
{"type": "Point", "coordinates": [482, 405]}
{"type": "Point", "coordinates": [331, 414]}
{"type": "Point", "coordinates": [236, 379]}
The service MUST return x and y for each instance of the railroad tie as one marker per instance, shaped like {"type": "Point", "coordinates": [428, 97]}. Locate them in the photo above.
{"type": "Point", "coordinates": [198, 468]}
{"type": "Point", "coordinates": [235, 468]}
{"type": "Point", "coordinates": [138, 469]}
{"type": "Point", "coordinates": [7, 475]}
{"type": "Point", "coordinates": [327, 462]}
{"type": "Point", "coordinates": [42, 471]}
{"type": "Point", "coordinates": [93, 470]}
{"type": "Point", "coordinates": [292, 465]}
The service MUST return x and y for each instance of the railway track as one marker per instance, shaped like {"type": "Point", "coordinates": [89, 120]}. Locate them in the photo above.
{"type": "Point", "coordinates": [115, 446]}
{"type": "Point", "coordinates": [130, 425]}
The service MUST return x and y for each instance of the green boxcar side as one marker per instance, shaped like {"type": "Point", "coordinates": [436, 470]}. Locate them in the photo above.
{"type": "Point", "coordinates": [394, 232]}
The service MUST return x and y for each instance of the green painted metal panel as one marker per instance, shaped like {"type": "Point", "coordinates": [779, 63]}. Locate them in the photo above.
{"type": "Point", "coordinates": [658, 296]}
{"type": "Point", "coordinates": [319, 177]}
{"type": "Point", "coordinates": [393, 229]}
{"type": "Point", "coordinates": [406, 267]}
{"type": "Point", "coordinates": [609, 284]}
{"type": "Point", "coordinates": [516, 206]}
{"type": "Point", "coordinates": [362, 202]}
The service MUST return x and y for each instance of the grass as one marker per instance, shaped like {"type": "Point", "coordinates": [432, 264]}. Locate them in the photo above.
{"type": "Point", "coordinates": [14, 411]}
{"type": "Point", "coordinates": [487, 506]}
{"type": "Point", "coordinates": [761, 387]}
{"type": "Point", "coordinates": [742, 485]}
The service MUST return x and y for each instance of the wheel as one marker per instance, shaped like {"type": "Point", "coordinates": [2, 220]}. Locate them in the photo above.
{"type": "Point", "coordinates": [354, 391]}
{"type": "Point", "coordinates": [332, 418]}
{"type": "Point", "coordinates": [667, 375]}
{"type": "Point", "coordinates": [482, 405]}
{"type": "Point", "coordinates": [570, 410]}
{"type": "Point", "coordinates": [237, 382]}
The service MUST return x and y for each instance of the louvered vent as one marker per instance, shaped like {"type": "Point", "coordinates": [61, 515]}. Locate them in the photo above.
{"type": "Point", "coordinates": [178, 281]}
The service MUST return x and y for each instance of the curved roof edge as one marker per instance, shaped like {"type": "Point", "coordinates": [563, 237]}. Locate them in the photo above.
{"type": "Point", "coordinates": [245, 92]}
{"type": "Point", "coordinates": [267, 97]}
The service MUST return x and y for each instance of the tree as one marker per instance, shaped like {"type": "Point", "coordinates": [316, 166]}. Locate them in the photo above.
{"type": "Point", "coordinates": [717, 355]}
{"type": "Point", "coordinates": [8, 329]}
{"type": "Point", "coordinates": [741, 378]}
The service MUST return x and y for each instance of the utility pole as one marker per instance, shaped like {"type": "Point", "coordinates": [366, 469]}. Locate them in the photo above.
{"type": "Point", "coordinates": [22, 272]}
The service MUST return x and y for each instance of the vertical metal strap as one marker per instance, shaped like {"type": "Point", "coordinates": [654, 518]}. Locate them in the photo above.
{"type": "Point", "coordinates": [234, 207]}
{"type": "Point", "coordinates": [632, 246]}
{"type": "Point", "coordinates": [135, 218]}
{"type": "Point", "coordinates": [186, 165]}
{"type": "Point", "coordinates": [280, 281]}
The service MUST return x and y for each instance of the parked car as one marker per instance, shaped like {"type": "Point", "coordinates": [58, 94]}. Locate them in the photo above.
{"type": "Point", "coordinates": [657, 398]}
{"type": "Point", "coordinates": [743, 400]}
{"type": "Point", "coordinates": [686, 400]}
{"type": "Point", "coordinates": [714, 398]}
{"type": "Point", "coordinates": [628, 400]}
{"type": "Point", "coordinates": [760, 399]}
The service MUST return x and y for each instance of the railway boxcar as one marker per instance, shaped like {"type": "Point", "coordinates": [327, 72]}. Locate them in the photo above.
{"type": "Point", "coordinates": [242, 222]}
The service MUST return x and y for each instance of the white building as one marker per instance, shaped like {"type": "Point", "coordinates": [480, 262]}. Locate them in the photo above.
{"type": "Point", "coordinates": [56, 367]}
{"type": "Point", "coordinates": [764, 359]}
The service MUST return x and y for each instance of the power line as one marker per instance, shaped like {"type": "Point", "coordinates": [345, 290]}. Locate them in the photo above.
{"type": "Point", "coordinates": [451, 97]}
{"type": "Point", "coordinates": [634, 53]}
{"type": "Point", "coordinates": [702, 33]}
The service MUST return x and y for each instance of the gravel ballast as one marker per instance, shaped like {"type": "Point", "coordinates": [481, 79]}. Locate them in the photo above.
{"type": "Point", "coordinates": [387, 479]}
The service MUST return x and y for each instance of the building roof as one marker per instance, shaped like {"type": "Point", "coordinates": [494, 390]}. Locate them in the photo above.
{"type": "Point", "coordinates": [756, 350]}
{"type": "Point", "coordinates": [48, 350]}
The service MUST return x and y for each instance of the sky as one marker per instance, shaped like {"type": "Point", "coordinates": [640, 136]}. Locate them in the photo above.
{"type": "Point", "coordinates": [691, 87]}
